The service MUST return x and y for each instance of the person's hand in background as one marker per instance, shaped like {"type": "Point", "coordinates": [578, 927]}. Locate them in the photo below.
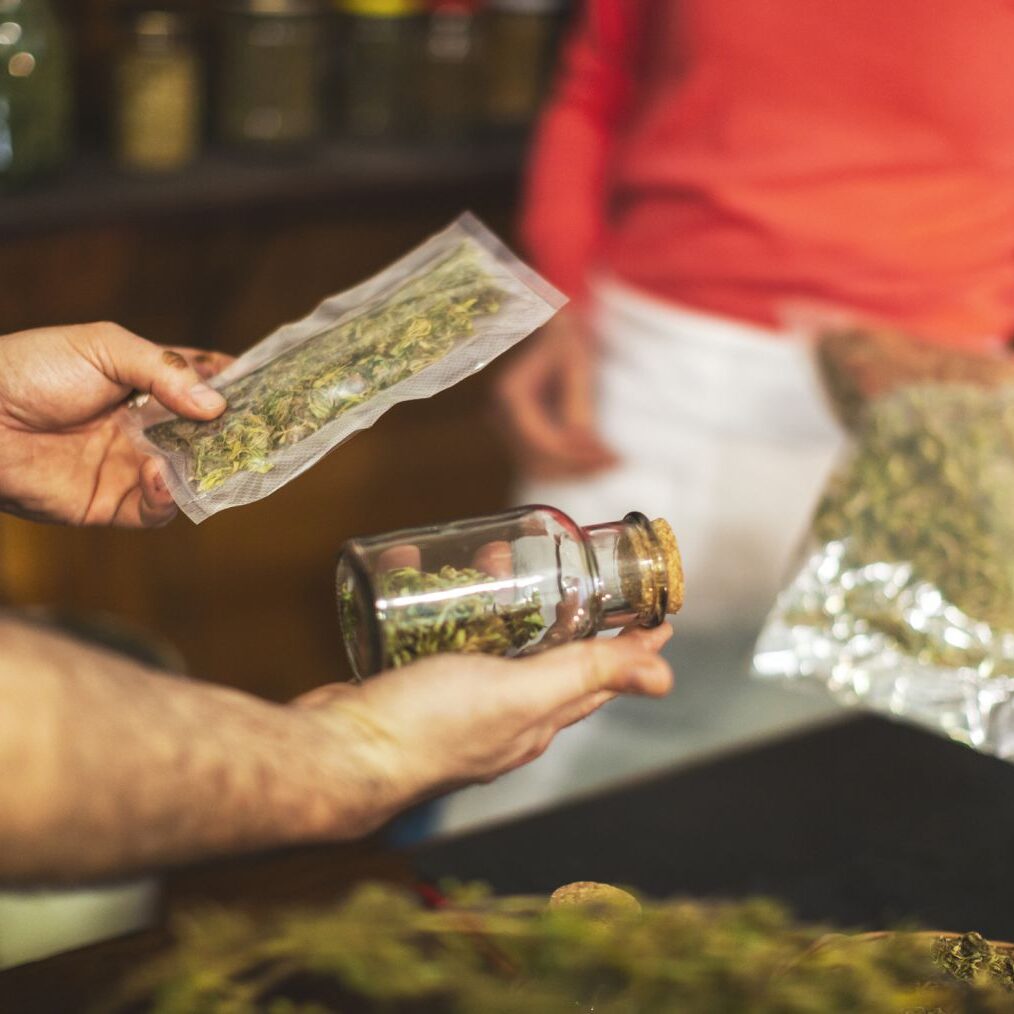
{"type": "Point", "coordinates": [453, 720]}
{"type": "Point", "coordinates": [547, 401]}
{"type": "Point", "coordinates": [63, 456]}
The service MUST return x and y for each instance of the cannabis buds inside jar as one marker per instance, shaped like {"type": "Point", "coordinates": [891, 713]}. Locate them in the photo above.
{"type": "Point", "coordinates": [507, 584]}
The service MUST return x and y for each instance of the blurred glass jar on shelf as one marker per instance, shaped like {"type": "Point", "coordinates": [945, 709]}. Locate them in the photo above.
{"type": "Point", "coordinates": [36, 92]}
{"type": "Point", "coordinates": [508, 584]}
{"type": "Point", "coordinates": [271, 85]}
{"type": "Point", "coordinates": [521, 43]}
{"type": "Point", "coordinates": [158, 109]}
{"type": "Point", "coordinates": [381, 57]}
{"type": "Point", "coordinates": [450, 83]}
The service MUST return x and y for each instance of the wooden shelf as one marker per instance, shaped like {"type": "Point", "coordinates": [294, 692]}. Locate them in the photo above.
{"type": "Point", "coordinates": [94, 193]}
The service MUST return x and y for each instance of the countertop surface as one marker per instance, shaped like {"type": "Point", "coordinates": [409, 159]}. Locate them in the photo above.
{"type": "Point", "coordinates": [864, 823]}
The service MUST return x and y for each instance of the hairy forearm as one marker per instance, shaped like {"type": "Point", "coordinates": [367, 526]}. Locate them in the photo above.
{"type": "Point", "coordinates": [109, 767]}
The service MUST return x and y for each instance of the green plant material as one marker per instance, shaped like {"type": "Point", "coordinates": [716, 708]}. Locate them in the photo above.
{"type": "Point", "coordinates": [381, 951]}
{"type": "Point", "coordinates": [970, 958]}
{"type": "Point", "coordinates": [316, 382]}
{"type": "Point", "coordinates": [932, 484]}
{"type": "Point", "coordinates": [430, 625]}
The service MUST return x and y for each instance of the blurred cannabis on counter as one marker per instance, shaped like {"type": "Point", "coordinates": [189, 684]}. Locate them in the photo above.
{"type": "Point", "coordinates": [152, 88]}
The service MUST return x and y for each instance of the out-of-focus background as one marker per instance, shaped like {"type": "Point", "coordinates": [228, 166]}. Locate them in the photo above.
{"type": "Point", "coordinates": [178, 184]}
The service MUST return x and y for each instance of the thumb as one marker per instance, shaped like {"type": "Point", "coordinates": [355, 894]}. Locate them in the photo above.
{"type": "Point", "coordinates": [135, 363]}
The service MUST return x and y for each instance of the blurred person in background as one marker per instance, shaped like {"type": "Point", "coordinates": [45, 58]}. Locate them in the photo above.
{"type": "Point", "coordinates": [705, 168]}
{"type": "Point", "coordinates": [109, 767]}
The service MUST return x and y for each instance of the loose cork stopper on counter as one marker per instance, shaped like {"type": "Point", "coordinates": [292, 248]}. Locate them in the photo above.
{"type": "Point", "coordinates": [603, 899]}
{"type": "Point", "coordinates": [673, 563]}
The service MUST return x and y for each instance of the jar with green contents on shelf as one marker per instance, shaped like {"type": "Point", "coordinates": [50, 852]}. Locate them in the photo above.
{"type": "Point", "coordinates": [521, 43]}
{"type": "Point", "coordinates": [158, 93]}
{"type": "Point", "coordinates": [509, 584]}
{"type": "Point", "coordinates": [273, 56]}
{"type": "Point", "coordinates": [382, 42]}
{"type": "Point", "coordinates": [36, 92]}
{"type": "Point", "coordinates": [449, 74]}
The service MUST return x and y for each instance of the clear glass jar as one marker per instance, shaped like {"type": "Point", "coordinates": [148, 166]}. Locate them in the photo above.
{"type": "Point", "coordinates": [382, 41]}
{"type": "Point", "coordinates": [521, 42]}
{"type": "Point", "coordinates": [450, 83]}
{"type": "Point", "coordinates": [273, 59]}
{"type": "Point", "coordinates": [36, 92]}
{"type": "Point", "coordinates": [158, 94]}
{"type": "Point", "coordinates": [508, 584]}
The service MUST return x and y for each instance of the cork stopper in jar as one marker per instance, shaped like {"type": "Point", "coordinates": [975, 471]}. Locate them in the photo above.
{"type": "Point", "coordinates": [673, 563]}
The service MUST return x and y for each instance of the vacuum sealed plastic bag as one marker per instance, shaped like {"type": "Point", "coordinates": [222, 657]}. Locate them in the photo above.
{"type": "Point", "coordinates": [428, 321]}
{"type": "Point", "coordinates": [905, 599]}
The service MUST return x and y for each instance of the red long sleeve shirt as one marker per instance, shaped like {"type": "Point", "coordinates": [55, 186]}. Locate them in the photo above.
{"type": "Point", "coordinates": [738, 155]}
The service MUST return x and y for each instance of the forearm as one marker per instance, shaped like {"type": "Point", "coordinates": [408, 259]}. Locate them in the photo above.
{"type": "Point", "coordinates": [110, 767]}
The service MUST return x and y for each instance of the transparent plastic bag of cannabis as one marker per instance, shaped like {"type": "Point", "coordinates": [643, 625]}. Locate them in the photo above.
{"type": "Point", "coordinates": [428, 321]}
{"type": "Point", "coordinates": [904, 601]}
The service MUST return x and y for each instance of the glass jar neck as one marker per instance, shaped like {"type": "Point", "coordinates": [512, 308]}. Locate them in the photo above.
{"type": "Point", "coordinates": [631, 574]}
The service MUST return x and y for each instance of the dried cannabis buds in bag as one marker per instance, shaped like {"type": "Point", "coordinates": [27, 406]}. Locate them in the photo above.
{"type": "Point", "coordinates": [427, 322]}
{"type": "Point", "coordinates": [905, 601]}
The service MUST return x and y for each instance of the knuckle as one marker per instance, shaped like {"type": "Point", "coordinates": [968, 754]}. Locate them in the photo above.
{"type": "Point", "coordinates": [541, 744]}
{"type": "Point", "coordinates": [174, 360]}
{"type": "Point", "coordinates": [108, 329]}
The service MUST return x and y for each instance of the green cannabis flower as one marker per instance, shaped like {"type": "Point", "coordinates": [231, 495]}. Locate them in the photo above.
{"type": "Point", "coordinates": [932, 484]}
{"type": "Point", "coordinates": [381, 951]}
{"type": "Point", "coordinates": [314, 383]}
{"type": "Point", "coordinates": [970, 958]}
{"type": "Point", "coordinates": [416, 623]}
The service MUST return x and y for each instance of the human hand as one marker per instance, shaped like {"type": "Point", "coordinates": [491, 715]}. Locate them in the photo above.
{"type": "Point", "coordinates": [546, 398]}
{"type": "Point", "coordinates": [452, 720]}
{"type": "Point", "coordinates": [63, 456]}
